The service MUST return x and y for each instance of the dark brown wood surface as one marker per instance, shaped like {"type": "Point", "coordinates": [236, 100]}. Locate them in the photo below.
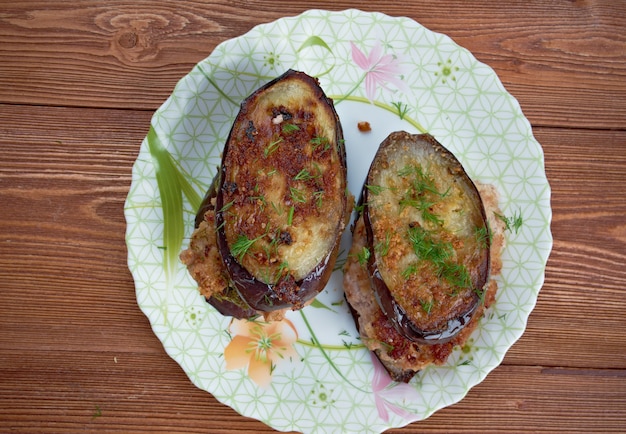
{"type": "Point", "coordinates": [79, 82]}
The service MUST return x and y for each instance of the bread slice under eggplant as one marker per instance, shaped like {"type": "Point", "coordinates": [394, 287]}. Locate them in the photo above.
{"type": "Point", "coordinates": [417, 275]}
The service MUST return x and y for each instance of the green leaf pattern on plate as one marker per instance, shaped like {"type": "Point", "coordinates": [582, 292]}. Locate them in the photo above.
{"type": "Point", "coordinates": [397, 74]}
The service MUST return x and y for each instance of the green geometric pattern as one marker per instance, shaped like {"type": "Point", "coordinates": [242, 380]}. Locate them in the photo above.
{"type": "Point", "coordinates": [440, 88]}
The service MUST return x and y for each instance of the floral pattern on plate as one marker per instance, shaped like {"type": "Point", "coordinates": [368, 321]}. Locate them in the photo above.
{"type": "Point", "coordinates": [310, 372]}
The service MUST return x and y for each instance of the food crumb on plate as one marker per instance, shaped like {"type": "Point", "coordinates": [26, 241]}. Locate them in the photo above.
{"type": "Point", "coordinates": [364, 127]}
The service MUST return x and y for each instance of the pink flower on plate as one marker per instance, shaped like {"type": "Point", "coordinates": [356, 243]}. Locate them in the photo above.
{"type": "Point", "coordinates": [379, 68]}
{"type": "Point", "coordinates": [260, 346]}
{"type": "Point", "coordinates": [385, 390]}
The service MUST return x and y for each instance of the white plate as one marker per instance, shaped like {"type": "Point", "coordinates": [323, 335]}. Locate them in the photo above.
{"type": "Point", "coordinates": [395, 74]}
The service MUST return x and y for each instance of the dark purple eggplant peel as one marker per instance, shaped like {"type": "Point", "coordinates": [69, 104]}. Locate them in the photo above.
{"type": "Point", "coordinates": [281, 202]}
{"type": "Point", "coordinates": [427, 238]}
{"type": "Point", "coordinates": [225, 298]}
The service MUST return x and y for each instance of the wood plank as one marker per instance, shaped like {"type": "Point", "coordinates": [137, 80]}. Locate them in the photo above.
{"type": "Point", "coordinates": [130, 54]}
{"type": "Point", "coordinates": [148, 393]}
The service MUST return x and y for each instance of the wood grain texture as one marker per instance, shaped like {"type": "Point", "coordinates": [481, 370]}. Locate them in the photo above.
{"type": "Point", "coordinates": [563, 61]}
{"type": "Point", "coordinates": [78, 85]}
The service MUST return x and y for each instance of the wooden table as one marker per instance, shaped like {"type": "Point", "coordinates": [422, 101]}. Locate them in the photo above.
{"type": "Point", "coordinates": [79, 82]}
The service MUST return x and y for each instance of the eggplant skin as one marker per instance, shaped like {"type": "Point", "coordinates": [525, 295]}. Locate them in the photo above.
{"type": "Point", "coordinates": [428, 238]}
{"type": "Point", "coordinates": [282, 201]}
{"type": "Point", "coordinates": [205, 264]}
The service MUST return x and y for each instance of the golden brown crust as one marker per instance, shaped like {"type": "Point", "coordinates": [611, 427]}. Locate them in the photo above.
{"type": "Point", "coordinates": [421, 205]}
{"type": "Point", "coordinates": [284, 179]}
{"type": "Point", "coordinates": [203, 259]}
{"type": "Point", "coordinates": [401, 357]}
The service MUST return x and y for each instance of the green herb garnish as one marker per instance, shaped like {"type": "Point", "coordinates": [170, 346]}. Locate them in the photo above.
{"type": "Point", "coordinates": [483, 236]}
{"type": "Point", "coordinates": [409, 271]}
{"type": "Point", "coordinates": [318, 142]}
{"type": "Point", "coordinates": [242, 244]}
{"type": "Point", "coordinates": [363, 256]}
{"type": "Point", "coordinates": [290, 128]}
{"type": "Point", "coordinates": [439, 253]}
{"type": "Point", "coordinates": [423, 193]}
{"type": "Point", "coordinates": [374, 189]}
{"type": "Point", "coordinates": [382, 247]}
{"type": "Point", "coordinates": [402, 108]}
{"type": "Point", "coordinates": [272, 147]}
{"type": "Point", "coordinates": [456, 274]}
{"type": "Point", "coordinates": [297, 195]}
{"type": "Point", "coordinates": [427, 305]}
{"type": "Point", "coordinates": [290, 215]}
{"type": "Point", "coordinates": [513, 223]}
{"type": "Point", "coordinates": [305, 175]}
{"type": "Point", "coordinates": [427, 248]}
{"type": "Point", "coordinates": [319, 197]}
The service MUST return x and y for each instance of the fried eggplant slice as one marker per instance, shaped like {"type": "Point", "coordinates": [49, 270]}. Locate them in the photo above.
{"type": "Point", "coordinates": [282, 199]}
{"type": "Point", "coordinates": [427, 238]}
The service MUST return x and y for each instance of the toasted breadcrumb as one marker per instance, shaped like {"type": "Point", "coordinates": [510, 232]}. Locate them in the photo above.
{"type": "Point", "coordinates": [401, 357]}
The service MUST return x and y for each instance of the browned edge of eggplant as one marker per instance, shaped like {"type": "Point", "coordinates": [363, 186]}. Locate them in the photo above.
{"type": "Point", "coordinates": [389, 305]}
{"type": "Point", "coordinates": [227, 302]}
{"type": "Point", "coordinates": [287, 292]}
{"type": "Point", "coordinates": [396, 374]}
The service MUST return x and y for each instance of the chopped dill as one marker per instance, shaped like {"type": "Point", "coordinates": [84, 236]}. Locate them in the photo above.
{"type": "Point", "coordinates": [409, 271]}
{"type": "Point", "coordinates": [322, 142]}
{"type": "Point", "coordinates": [513, 223]}
{"type": "Point", "coordinates": [305, 175]}
{"type": "Point", "coordinates": [290, 215]}
{"type": "Point", "coordinates": [382, 247]}
{"type": "Point", "coordinates": [423, 194]}
{"type": "Point", "coordinates": [319, 198]}
{"type": "Point", "coordinates": [374, 189]}
{"type": "Point", "coordinates": [241, 246]}
{"type": "Point", "coordinates": [402, 108]}
{"type": "Point", "coordinates": [427, 305]}
{"type": "Point", "coordinates": [427, 248]}
{"type": "Point", "coordinates": [363, 256]}
{"type": "Point", "coordinates": [483, 236]}
{"type": "Point", "coordinates": [456, 274]}
{"type": "Point", "coordinates": [290, 128]}
{"type": "Point", "coordinates": [440, 253]}
{"type": "Point", "coordinates": [272, 147]}
{"type": "Point", "coordinates": [297, 195]}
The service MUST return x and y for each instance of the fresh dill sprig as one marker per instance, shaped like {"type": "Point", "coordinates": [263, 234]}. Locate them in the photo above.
{"type": "Point", "coordinates": [382, 247]}
{"type": "Point", "coordinates": [319, 198]}
{"type": "Point", "coordinates": [513, 223]}
{"type": "Point", "coordinates": [440, 253]}
{"type": "Point", "coordinates": [427, 305]}
{"type": "Point", "coordinates": [423, 193]}
{"type": "Point", "coordinates": [297, 195]}
{"type": "Point", "coordinates": [272, 147]}
{"type": "Point", "coordinates": [318, 142]}
{"type": "Point", "coordinates": [305, 175]}
{"type": "Point", "coordinates": [483, 236]}
{"type": "Point", "coordinates": [242, 244]}
{"type": "Point", "coordinates": [456, 274]}
{"type": "Point", "coordinates": [402, 108]}
{"type": "Point", "coordinates": [374, 189]}
{"type": "Point", "coordinates": [363, 256]}
{"type": "Point", "coordinates": [290, 128]}
{"type": "Point", "coordinates": [427, 248]}
{"type": "Point", "coordinates": [409, 271]}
